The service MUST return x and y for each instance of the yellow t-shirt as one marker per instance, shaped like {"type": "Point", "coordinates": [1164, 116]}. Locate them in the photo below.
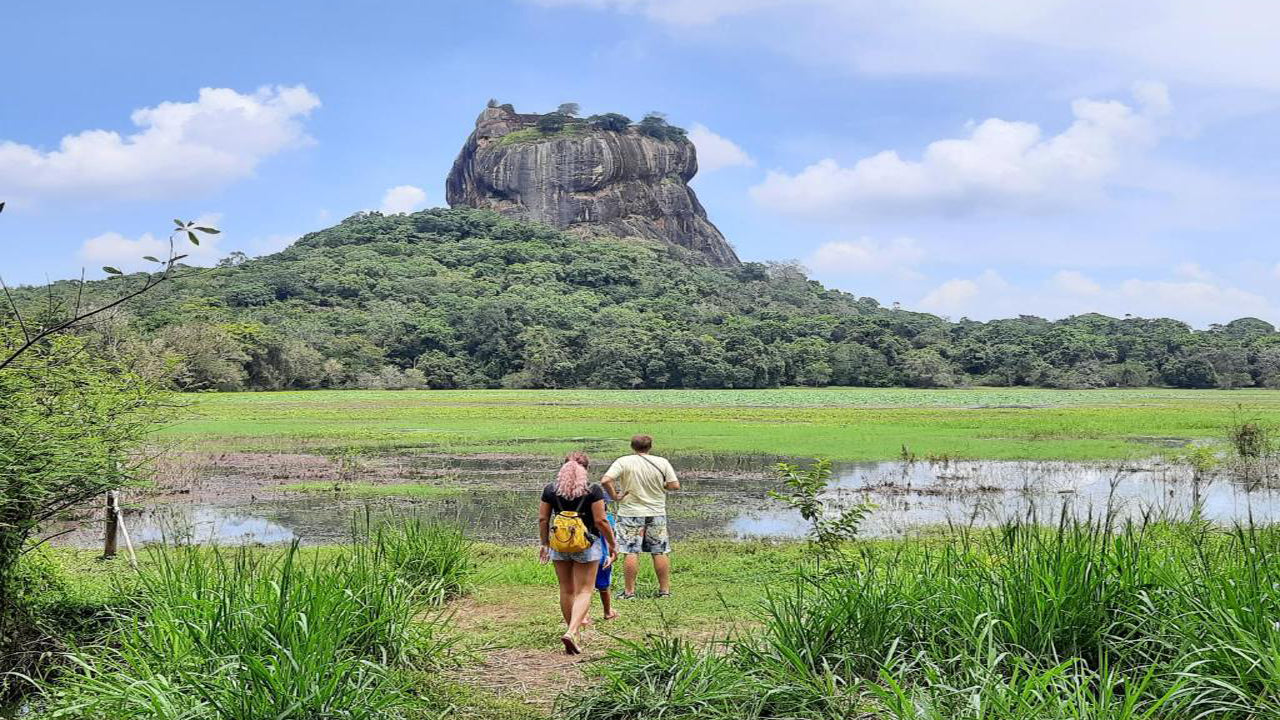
{"type": "Point", "coordinates": [643, 484]}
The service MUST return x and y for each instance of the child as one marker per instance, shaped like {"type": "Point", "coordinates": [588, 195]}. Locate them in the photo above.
{"type": "Point", "coordinates": [604, 576]}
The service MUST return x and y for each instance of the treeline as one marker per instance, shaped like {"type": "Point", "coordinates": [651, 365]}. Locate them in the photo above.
{"type": "Point", "coordinates": [467, 299]}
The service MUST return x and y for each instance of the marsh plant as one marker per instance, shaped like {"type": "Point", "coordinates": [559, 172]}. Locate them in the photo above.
{"type": "Point", "coordinates": [1076, 621]}
{"type": "Point", "coordinates": [802, 490]}
{"type": "Point", "coordinates": [1253, 445]}
{"type": "Point", "coordinates": [253, 633]}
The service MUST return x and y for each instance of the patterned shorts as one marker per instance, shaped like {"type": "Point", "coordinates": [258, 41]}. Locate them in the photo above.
{"type": "Point", "coordinates": [643, 535]}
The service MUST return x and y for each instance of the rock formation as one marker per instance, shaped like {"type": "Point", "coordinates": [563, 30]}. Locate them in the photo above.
{"type": "Point", "coordinates": [586, 180]}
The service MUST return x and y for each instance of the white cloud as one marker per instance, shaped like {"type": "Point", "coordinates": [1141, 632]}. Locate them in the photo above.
{"type": "Point", "coordinates": [403, 199]}
{"type": "Point", "coordinates": [1071, 293]}
{"type": "Point", "coordinates": [125, 253]}
{"type": "Point", "coordinates": [1191, 271]}
{"type": "Point", "coordinates": [1073, 282]}
{"type": "Point", "coordinates": [716, 151]}
{"type": "Point", "coordinates": [179, 147]}
{"type": "Point", "coordinates": [271, 244]}
{"type": "Point", "coordinates": [865, 255]}
{"type": "Point", "coordinates": [1000, 165]}
{"type": "Point", "coordinates": [1232, 43]}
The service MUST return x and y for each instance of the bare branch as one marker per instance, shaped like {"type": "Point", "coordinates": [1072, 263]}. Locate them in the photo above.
{"type": "Point", "coordinates": [21, 323]}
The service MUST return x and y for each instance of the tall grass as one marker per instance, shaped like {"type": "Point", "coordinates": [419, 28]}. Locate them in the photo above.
{"type": "Point", "coordinates": [1074, 621]}
{"type": "Point", "coordinates": [249, 634]}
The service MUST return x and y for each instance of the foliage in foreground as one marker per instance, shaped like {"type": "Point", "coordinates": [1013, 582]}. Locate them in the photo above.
{"type": "Point", "coordinates": [1022, 623]}
{"type": "Point", "coordinates": [466, 299]}
{"type": "Point", "coordinates": [69, 423]}
{"type": "Point", "coordinates": [250, 634]}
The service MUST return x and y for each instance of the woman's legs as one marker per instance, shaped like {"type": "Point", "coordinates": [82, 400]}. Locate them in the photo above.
{"type": "Point", "coordinates": [584, 585]}
{"type": "Point", "coordinates": [564, 574]}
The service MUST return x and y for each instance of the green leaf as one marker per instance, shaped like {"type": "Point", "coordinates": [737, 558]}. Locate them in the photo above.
{"type": "Point", "coordinates": [1, 207]}
{"type": "Point", "coordinates": [211, 231]}
{"type": "Point", "coordinates": [179, 223]}
{"type": "Point", "coordinates": [192, 237]}
{"type": "Point", "coordinates": [148, 257]}
{"type": "Point", "coordinates": [110, 270]}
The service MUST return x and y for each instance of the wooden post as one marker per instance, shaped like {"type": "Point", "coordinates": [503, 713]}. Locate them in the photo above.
{"type": "Point", "coordinates": [113, 525]}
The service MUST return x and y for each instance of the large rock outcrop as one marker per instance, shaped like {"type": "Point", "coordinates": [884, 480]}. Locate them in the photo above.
{"type": "Point", "coordinates": [586, 180]}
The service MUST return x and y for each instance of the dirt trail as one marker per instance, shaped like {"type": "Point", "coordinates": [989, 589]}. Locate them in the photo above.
{"type": "Point", "coordinates": [517, 638]}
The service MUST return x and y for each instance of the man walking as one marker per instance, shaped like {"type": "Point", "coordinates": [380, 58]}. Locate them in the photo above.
{"type": "Point", "coordinates": [641, 483]}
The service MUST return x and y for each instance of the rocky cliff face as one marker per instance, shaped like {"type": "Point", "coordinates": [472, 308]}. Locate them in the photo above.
{"type": "Point", "coordinates": [585, 180]}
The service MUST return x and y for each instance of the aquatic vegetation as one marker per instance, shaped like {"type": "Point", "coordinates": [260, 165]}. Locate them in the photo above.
{"type": "Point", "coordinates": [839, 423]}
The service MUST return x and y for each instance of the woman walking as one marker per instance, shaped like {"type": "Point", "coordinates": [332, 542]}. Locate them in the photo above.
{"type": "Point", "coordinates": [581, 538]}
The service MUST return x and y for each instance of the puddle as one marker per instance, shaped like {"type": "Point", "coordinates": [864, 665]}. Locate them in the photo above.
{"type": "Point", "coordinates": [242, 501]}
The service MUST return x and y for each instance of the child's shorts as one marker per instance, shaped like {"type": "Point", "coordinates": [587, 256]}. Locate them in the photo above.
{"type": "Point", "coordinates": [604, 576]}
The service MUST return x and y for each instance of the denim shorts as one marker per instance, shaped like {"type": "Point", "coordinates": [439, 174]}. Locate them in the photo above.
{"type": "Point", "coordinates": [592, 554]}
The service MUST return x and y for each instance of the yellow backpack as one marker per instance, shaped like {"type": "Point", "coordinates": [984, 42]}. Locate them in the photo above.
{"type": "Point", "coordinates": [569, 532]}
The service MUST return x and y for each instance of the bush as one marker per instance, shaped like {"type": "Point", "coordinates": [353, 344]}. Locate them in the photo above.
{"type": "Point", "coordinates": [612, 122]}
{"type": "Point", "coordinates": [552, 122]}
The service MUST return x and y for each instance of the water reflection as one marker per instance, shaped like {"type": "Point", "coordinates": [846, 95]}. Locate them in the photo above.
{"type": "Point", "coordinates": [731, 499]}
{"type": "Point", "coordinates": [909, 496]}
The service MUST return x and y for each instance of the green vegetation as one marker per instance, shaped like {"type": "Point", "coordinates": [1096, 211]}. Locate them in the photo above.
{"type": "Point", "coordinates": [70, 422]}
{"type": "Point", "coordinates": [368, 490]}
{"type": "Point", "coordinates": [248, 634]}
{"type": "Point", "coordinates": [1017, 623]}
{"type": "Point", "coordinates": [1021, 623]}
{"type": "Point", "coordinates": [466, 299]}
{"type": "Point", "coordinates": [840, 423]}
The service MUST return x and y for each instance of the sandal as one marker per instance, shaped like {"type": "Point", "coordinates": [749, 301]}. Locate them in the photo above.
{"type": "Point", "coordinates": [570, 645]}
{"type": "Point", "coordinates": [627, 596]}
{"type": "Point", "coordinates": [664, 593]}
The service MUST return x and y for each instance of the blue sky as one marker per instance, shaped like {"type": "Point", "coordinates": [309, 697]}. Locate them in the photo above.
{"type": "Point", "coordinates": [969, 159]}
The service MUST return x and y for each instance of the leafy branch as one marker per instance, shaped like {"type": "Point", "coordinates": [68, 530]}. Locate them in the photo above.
{"type": "Point", "coordinates": [803, 488]}
{"type": "Point", "coordinates": [164, 272]}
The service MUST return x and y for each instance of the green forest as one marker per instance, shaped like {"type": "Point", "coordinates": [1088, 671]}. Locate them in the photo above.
{"type": "Point", "coordinates": [467, 299]}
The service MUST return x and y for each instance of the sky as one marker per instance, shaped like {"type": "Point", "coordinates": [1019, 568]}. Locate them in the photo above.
{"type": "Point", "coordinates": [969, 158]}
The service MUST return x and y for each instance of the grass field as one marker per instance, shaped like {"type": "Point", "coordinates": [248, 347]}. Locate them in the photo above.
{"type": "Point", "coordinates": [839, 423]}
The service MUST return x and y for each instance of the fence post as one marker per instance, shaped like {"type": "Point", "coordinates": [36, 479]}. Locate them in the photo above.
{"type": "Point", "coordinates": [113, 526]}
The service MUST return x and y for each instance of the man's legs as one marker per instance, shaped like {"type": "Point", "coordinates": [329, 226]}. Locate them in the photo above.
{"type": "Point", "coordinates": [630, 534]}
{"type": "Point", "coordinates": [630, 568]}
{"type": "Point", "coordinates": [662, 567]}
{"type": "Point", "coordinates": [658, 542]}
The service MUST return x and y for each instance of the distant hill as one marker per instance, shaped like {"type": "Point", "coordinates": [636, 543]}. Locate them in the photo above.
{"type": "Point", "coordinates": [467, 298]}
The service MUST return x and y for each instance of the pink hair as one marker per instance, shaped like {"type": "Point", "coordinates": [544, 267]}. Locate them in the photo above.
{"type": "Point", "coordinates": [571, 481]}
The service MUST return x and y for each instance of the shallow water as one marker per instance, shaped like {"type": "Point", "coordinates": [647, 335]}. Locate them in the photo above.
{"type": "Point", "coordinates": [722, 497]}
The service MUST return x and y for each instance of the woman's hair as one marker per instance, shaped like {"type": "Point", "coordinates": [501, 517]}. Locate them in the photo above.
{"type": "Point", "coordinates": [571, 481]}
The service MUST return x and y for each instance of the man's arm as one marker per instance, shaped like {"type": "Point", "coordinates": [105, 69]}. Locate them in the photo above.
{"type": "Point", "coordinates": [672, 481]}
{"type": "Point", "coordinates": [610, 487]}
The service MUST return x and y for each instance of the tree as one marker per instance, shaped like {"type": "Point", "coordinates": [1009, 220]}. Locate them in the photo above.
{"type": "Point", "coordinates": [70, 421]}
{"type": "Point", "coordinates": [552, 122]}
{"type": "Point", "coordinates": [1184, 371]}
{"type": "Point", "coordinates": [612, 122]}
{"type": "Point", "coordinates": [926, 368]}
{"type": "Point", "coordinates": [569, 109]}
